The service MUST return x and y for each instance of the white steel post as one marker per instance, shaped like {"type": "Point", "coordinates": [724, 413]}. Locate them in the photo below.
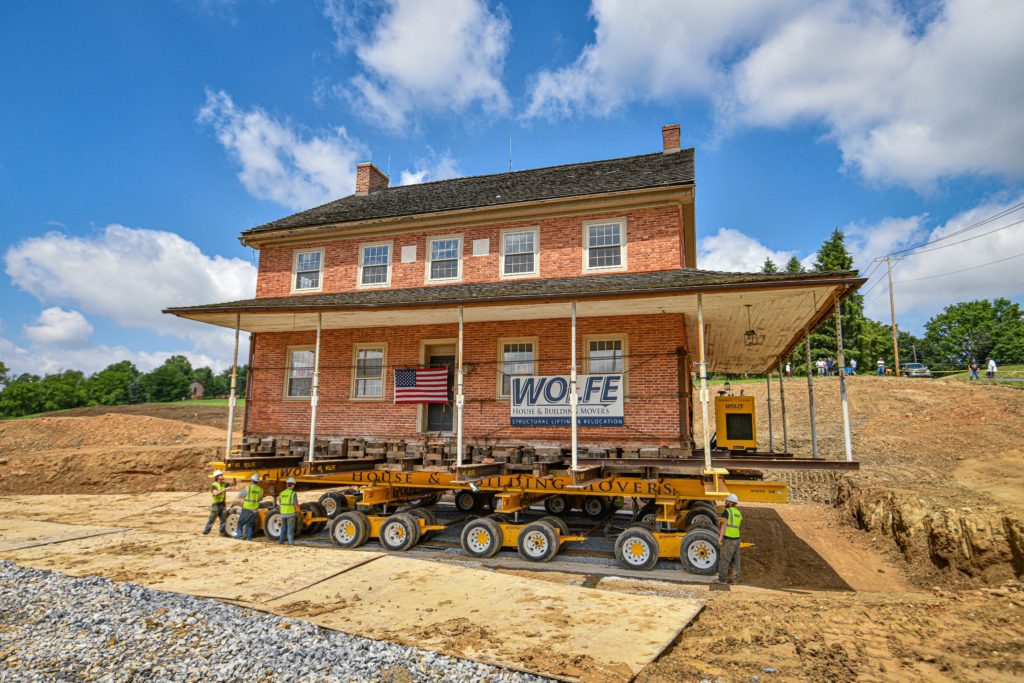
{"type": "Point", "coordinates": [782, 401]}
{"type": "Point", "coordinates": [234, 387]}
{"type": "Point", "coordinates": [314, 394]}
{"type": "Point", "coordinates": [810, 399]}
{"type": "Point", "coordinates": [459, 398]}
{"type": "Point", "coordinates": [771, 432]}
{"type": "Point", "coordinates": [573, 394]}
{"type": "Point", "coordinates": [842, 381]}
{"type": "Point", "coordinates": [703, 381]}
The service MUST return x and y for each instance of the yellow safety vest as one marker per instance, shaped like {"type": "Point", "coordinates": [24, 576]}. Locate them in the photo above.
{"type": "Point", "coordinates": [733, 519]}
{"type": "Point", "coordinates": [252, 498]}
{"type": "Point", "coordinates": [287, 500]}
{"type": "Point", "coordinates": [217, 491]}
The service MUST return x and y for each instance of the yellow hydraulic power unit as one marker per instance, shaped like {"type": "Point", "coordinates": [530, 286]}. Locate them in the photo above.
{"type": "Point", "coordinates": [736, 423]}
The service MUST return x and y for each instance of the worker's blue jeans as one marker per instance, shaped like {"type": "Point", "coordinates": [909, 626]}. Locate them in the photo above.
{"type": "Point", "coordinates": [216, 510]}
{"type": "Point", "coordinates": [288, 524]}
{"type": "Point", "coordinates": [974, 375]}
{"type": "Point", "coordinates": [246, 524]}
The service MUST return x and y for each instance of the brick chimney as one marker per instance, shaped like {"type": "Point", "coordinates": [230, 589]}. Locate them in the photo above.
{"type": "Point", "coordinates": [670, 138]}
{"type": "Point", "coordinates": [369, 178]}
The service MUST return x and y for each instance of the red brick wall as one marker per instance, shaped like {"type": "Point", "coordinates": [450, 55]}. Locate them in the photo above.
{"type": "Point", "coordinates": [651, 409]}
{"type": "Point", "coordinates": [653, 243]}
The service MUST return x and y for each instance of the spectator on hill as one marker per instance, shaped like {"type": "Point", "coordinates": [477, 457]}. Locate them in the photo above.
{"type": "Point", "coordinates": [974, 367]}
{"type": "Point", "coordinates": [789, 370]}
{"type": "Point", "coordinates": [853, 366]}
{"type": "Point", "coordinates": [830, 367]}
{"type": "Point", "coordinates": [881, 367]}
{"type": "Point", "coordinates": [820, 365]}
{"type": "Point", "coordinates": [991, 372]}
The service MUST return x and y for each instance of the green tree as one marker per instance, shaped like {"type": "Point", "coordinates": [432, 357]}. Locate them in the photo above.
{"type": "Point", "coordinates": [110, 386]}
{"type": "Point", "coordinates": [976, 330]}
{"type": "Point", "coordinates": [793, 265]}
{"type": "Point", "coordinates": [3, 373]}
{"type": "Point", "coordinates": [169, 382]}
{"type": "Point", "coordinates": [64, 390]}
{"type": "Point", "coordinates": [769, 266]}
{"type": "Point", "coordinates": [21, 396]}
{"type": "Point", "coordinates": [833, 256]}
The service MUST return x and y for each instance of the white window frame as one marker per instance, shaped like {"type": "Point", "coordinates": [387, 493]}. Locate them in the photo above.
{"type": "Point", "coordinates": [536, 253]}
{"type": "Point", "coordinates": [624, 338]}
{"type": "Point", "coordinates": [359, 270]}
{"type": "Point", "coordinates": [501, 361]}
{"type": "Point", "coordinates": [624, 247]}
{"type": "Point", "coordinates": [288, 371]}
{"type": "Point", "coordinates": [295, 271]}
{"type": "Point", "coordinates": [429, 258]}
{"type": "Point", "coordinates": [356, 348]}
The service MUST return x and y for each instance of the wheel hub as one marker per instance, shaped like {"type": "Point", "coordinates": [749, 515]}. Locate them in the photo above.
{"type": "Point", "coordinates": [702, 554]}
{"type": "Point", "coordinates": [479, 540]}
{"type": "Point", "coordinates": [536, 545]}
{"type": "Point", "coordinates": [346, 531]}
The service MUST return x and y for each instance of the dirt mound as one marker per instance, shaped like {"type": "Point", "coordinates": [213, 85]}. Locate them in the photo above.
{"type": "Point", "coordinates": [194, 413]}
{"type": "Point", "coordinates": [109, 430]}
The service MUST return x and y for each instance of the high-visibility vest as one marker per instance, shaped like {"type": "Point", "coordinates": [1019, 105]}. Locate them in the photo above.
{"type": "Point", "coordinates": [217, 491]}
{"type": "Point", "coordinates": [252, 498]}
{"type": "Point", "coordinates": [287, 500]}
{"type": "Point", "coordinates": [733, 519]}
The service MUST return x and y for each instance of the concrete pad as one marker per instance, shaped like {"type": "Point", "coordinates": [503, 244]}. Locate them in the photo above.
{"type": "Point", "coordinates": [198, 565]}
{"type": "Point", "coordinates": [564, 631]}
{"type": "Point", "coordinates": [16, 534]}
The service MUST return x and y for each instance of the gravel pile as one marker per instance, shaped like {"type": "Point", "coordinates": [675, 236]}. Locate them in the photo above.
{"type": "Point", "coordinates": [56, 627]}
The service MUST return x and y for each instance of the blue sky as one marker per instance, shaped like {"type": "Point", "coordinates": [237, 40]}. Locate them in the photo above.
{"type": "Point", "coordinates": [138, 139]}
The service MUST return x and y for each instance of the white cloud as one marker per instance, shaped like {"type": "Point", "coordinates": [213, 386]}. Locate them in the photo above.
{"type": "Point", "coordinates": [432, 167]}
{"type": "Point", "coordinates": [440, 55]}
{"type": "Point", "coordinates": [129, 275]}
{"type": "Point", "coordinates": [280, 162]}
{"type": "Point", "coordinates": [57, 327]}
{"type": "Point", "coordinates": [909, 97]}
{"type": "Point", "coordinates": [732, 250]}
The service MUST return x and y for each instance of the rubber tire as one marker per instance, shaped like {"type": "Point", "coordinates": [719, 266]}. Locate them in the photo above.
{"type": "Point", "coordinates": [632, 535]}
{"type": "Point", "coordinates": [410, 528]}
{"type": "Point", "coordinates": [702, 503]}
{"type": "Point", "coordinates": [492, 528]}
{"type": "Point", "coordinates": [468, 501]}
{"type": "Point", "coordinates": [701, 522]}
{"type": "Point", "coordinates": [700, 512]}
{"type": "Point", "coordinates": [333, 504]}
{"type": "Point", "coordinates": [556, 522]}
{"type": "Point", "coordinates": [231, 522]}
{"type": "Point", "coordinates": [549, 535]}
{"type": "Point", "coordinates": [700, 536]}
{"type": "Point", "coordinates": [557, 505]}
{"type": "Point", "coordinates": [318, 511]}
{"type": "Point", "coordinates": [361, 529]}
{"type": "Point", "coordinates": [428, 517]}
{"type": "Point", "coordinates": [596, 507]}
{"type": "Point", "coordinates": [271, 521]}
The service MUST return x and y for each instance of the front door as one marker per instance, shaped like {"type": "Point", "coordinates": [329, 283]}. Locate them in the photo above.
{"type": "Point", "coordinates": [440, 416]}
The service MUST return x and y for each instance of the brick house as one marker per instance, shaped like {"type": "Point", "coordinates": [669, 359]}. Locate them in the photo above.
{"type": "Point", "coordinates": [386, 273]}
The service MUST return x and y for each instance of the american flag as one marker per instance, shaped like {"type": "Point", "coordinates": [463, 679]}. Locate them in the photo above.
{"type": "Point", "coordinates": [421, 385]}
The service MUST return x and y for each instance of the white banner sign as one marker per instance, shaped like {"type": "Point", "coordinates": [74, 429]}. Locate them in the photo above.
{"type": "Point", "coordinates": [544, 401]}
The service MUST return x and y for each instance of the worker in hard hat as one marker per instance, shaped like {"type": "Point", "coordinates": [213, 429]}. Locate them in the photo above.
{"type": "Point", "coordinates": [288, 504]}
{"type": "Point", "coordinates": [729, 541]}
{"type": "Point", "coordinates": [218, 500]}
{"type": "Point", "coordinates": [251, 496]}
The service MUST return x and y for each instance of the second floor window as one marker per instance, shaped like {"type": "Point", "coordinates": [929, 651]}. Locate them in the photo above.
{"type": "Point", "coordinates": [604, 246]}
{"type": "Point", "coordinates": [308, 270]}
{"type": "Point", "coordinates": [444, 258]}
{"type": "Point", "coordinates": [375, 265]}
{"type": "Point", "coordinates": [519, 252]}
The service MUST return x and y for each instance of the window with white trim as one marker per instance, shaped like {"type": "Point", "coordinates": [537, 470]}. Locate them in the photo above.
{"type": "Point", "coordinates": [519, 252]}
{"type": "Point", "coordinates": [607, 354]}
{"type": "Point", "coordinates": [444, 259]}
{"type": "Point", "coordinates": [515, 357]}
{"type": "Point", "coordinates": [299, 373]}
{"type": "Point", "coordinates": [368, 371]}
{"type": "Point", "coordinates": [604, 245]}
{"type": "Point", "coordinates": [375, 265]}
{"type": "Point", "coordinates": [307, 270]}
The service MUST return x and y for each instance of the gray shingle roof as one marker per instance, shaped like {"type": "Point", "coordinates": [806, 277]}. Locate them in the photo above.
{"type": "Point", "coordinates": [571, 180]}
{"type": "Point", "coordinates": [589, 285]}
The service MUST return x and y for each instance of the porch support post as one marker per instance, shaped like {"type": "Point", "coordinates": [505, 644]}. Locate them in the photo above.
{"type": "Point", "coordinates": [842, 380]}
{"type": "Point", "coordinates": [574, 394]}
{"type": "Point", "coordinates": [810, 399]}
{"type": "Point", "coordinates": [771, 431]}
{"type": "Point", "coordinates": [703, 381]}
{"type": "Point", "coordinates": [460, 399]}
{"type": "Point", "coordinates": [234, 387]}
{"type": "Point", "coordinates": [314, 394]}
{"type": "Point", "coordinates": [782, 400]}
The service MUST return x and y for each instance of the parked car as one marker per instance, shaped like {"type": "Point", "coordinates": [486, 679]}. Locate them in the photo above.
{"type": "Point", "coordinates": [915, 370]}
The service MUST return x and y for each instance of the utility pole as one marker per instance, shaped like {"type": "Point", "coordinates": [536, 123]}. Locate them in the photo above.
{"type": "Point", "coordinates": [892, 311]}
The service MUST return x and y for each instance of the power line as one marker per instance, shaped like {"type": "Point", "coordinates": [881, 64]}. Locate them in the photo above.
{"type": "Point", "coordinates": [1004, 212]}
{"type": "Point", "coordinates": [962, 270]}
{"type": "Point", "coordinates": [953, 244]}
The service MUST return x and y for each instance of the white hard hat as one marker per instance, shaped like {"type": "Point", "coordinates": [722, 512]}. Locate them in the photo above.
{"type": "Point", "coordinates": [256, 477]}
{"type": "Point", "coordinates": [291, 480]}
{"type": "Point", "coordinates": [732, 498]}
{"type": "Point", "coordinates": [217, 473]}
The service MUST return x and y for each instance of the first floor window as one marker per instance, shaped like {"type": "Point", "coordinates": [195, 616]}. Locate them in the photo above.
{"type": "Point", "coordinates": [308, 267]}
{"type": "Point", "coordinates": [369, 372]}
{"type": "Point", "coordinates": [375, 264]}
{"type": "Point", "coordinates": [519, 252]}
{"type": "Point", "coordinates": [604, 244]}
{"type": "Point", "coordinates": [445, 255]}
{"type": "Point", "coordinates": [300, 373]}
{"type": "Point", "coordinates": [604, 356]}
{"type": "Point", "coordinates": [517, 358]}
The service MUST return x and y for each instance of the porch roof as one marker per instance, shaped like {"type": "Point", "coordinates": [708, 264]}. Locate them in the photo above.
{"type": "Point", "coordinates": [781, 307]}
